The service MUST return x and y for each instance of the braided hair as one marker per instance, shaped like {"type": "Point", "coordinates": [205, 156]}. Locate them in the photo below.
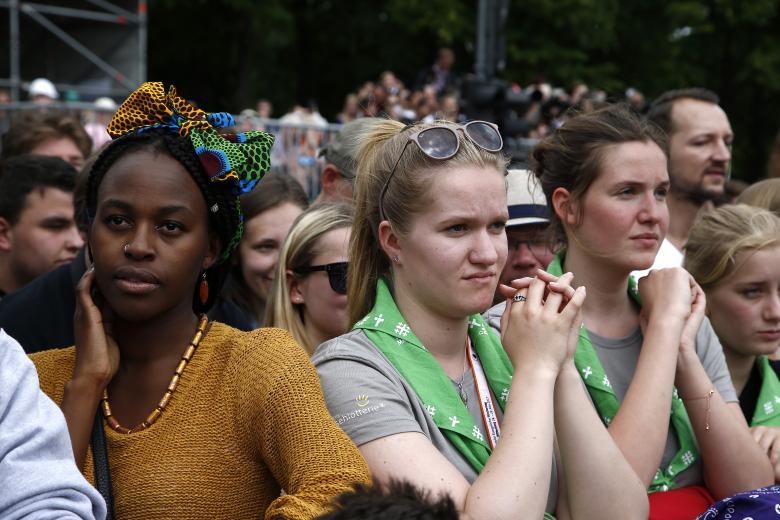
{"type": "Point", "coordinates": [221, 199]}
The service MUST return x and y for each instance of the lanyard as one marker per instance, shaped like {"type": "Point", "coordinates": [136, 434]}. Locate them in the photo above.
{"type": "Point", "coordinates": [386, 328]}
{"type": "Point", "coordinates": [486, 404]}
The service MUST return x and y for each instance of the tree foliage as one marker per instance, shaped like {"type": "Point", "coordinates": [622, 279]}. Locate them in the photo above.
{"type": "Point", "coordinates": [228, 53]}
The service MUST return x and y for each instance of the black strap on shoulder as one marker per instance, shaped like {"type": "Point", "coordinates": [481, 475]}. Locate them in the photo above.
{"type": "Point", "coordinates": [102, 468]}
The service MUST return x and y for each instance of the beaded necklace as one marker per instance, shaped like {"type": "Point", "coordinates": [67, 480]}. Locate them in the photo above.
{"type": "Point", "coordinates": [152, 417]}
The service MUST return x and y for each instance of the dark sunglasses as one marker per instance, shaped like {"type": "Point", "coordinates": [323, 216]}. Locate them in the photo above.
{"type": "Point", "coordinates": [337, 274]}
{"type": "Point", "coordinates": [442, 143]}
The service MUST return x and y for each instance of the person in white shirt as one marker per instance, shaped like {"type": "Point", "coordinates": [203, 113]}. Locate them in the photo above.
{"type": "Point", "coordinates": [699, 151]}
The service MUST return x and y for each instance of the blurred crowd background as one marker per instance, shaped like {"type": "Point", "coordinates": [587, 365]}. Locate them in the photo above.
{"type": "Point", "coordinates": [308, 66]}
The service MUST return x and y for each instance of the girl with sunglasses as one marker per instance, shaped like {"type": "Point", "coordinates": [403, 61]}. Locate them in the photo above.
{"type": "Point", "coordinates": [422, 383]}
{"type": "Point", "coordinates": [309, 294]}
{"type": "Point", "coordinates": [734, 254]}
{"type": "Point", "coordinates": [651, 363]}
{"type": "Point", "coordinates": [200, 420]}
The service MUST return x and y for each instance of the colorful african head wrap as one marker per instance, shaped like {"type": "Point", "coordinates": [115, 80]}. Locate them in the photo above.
{"type": "Point", "coordinates": [238, 159]}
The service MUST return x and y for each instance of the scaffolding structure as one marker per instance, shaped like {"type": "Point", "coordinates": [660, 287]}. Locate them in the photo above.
{"type": "Point", "coordinates": [87, 48]}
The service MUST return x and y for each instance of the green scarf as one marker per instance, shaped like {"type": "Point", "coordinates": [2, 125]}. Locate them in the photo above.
{"type": "Point", "coordinates": [387, 329]}
{"type": "Point", "coordinates": [607, 404]}
{"type": "Point", "coordinates": [767, 411]}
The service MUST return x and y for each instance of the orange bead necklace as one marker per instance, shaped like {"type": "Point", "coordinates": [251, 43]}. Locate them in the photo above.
{"type": "Point", "coordinates": [158, 410]}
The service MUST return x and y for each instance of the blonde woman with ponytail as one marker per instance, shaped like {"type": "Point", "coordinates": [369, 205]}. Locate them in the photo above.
{"type": "Point", "coordinates": [422, 384]}
{"type": "Point", "coordinates": [308, 297]}
{"type": "Point", "coordinates": [734, 254]}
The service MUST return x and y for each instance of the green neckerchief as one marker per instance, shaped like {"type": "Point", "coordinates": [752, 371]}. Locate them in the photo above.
{"type": "Point", "coordinates": [607, 404]}
{"type": "Point", "coordinates": [767, 411]}
{"type": "Point", "coordinates": [388, 330]}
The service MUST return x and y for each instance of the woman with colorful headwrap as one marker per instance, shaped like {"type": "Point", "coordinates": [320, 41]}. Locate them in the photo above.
{"type": "Point", "coordinates": [201, 420]}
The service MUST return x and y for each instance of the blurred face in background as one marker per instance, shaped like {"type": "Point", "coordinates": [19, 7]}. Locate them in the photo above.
{"type": "Point", "coordinates": [259, 249]}
{"type": "Point", "coordinates": [699, 147]}
{"type": "Point", "coordinates": [45, 235]}
{"type": "Point", "coordinates": [528, 250]}
{"type": "Point", "coordinates": [62, 147]}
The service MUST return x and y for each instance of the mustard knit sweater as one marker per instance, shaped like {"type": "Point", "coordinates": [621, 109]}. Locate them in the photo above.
{"type": "Point", "coordinates": [247, 420]}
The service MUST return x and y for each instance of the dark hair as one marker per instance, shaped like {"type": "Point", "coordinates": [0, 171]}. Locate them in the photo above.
{"type": "Point", "coordinates": [399, 500]}
{"type": "Point", "coordinates": [571, 157]}
{"type": "Point", "coordinates": [22, 174]}
{"type": "Point", "coordinates": [273, 190]}
{"type": "Point", "coordinates": [660, 111]}
{"type": "Point", "coordinates": [224, 222]}
{"type": "Point", "coordinates": [33, 127]}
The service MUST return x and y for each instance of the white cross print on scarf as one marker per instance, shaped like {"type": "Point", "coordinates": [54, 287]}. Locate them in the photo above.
{"type": "Point", "coordinates": [477, 434]}
{"type": "Point", "coordinates": [687, 457]}
{"type": "Point", "coordinates": [402, 329]}
{"type": "Point", "coordinates": [378, 319]}
{"type": "Point", "coordinates": [454, 420]}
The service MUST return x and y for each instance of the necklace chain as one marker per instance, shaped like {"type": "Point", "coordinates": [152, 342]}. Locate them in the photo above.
{"type": "Point", "coordinates": [459, 383]}
{"type": "Point", "coordinates": [166, 398]}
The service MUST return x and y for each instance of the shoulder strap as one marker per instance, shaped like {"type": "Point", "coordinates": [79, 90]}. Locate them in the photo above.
{"type": "Point", "coordinates": [100, 462]}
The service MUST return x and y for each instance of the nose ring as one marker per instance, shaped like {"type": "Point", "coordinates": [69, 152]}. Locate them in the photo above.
{"type": "Point", "coordinates": [124, 249]}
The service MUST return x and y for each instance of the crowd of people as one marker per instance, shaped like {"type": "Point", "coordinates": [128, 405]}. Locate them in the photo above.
{"type": "Point", "coordinates": [435, 335]}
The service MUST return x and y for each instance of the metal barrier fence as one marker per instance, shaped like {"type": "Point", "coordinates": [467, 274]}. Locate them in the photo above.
{"type": "Point", "coordinates": [295, 151]}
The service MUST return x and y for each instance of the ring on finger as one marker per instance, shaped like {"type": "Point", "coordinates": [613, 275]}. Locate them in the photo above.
{"type": "Point", "coordinates": [519, 298]}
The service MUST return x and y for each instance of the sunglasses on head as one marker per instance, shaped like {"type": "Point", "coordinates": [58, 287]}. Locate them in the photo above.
{"type": "Point", "coordinates": [337, 274]}
{"type": "Point", "coordinates": [442, 143]}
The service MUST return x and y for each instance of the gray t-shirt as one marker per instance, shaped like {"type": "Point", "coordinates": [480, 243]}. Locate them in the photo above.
{"type": "Point", "coordinates": [619, 358]}
{"type": "Point", "coordinates": [370, 399]}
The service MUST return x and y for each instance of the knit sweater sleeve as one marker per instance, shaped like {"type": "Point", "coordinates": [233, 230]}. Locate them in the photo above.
{"type": "Point", "coordinates": [281, 409]}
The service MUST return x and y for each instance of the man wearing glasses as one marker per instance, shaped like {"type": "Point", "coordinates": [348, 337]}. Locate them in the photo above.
{"type": "Point", "coordinates": [529, 246]}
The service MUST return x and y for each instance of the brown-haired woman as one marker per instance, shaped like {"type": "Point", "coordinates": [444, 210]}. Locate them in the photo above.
{"type": "Point", "coordinates": [269, 213]}
{"type": "Point", "coordinates": [604, 174]}
{"type": "Point", "coordinates": [422, 384]}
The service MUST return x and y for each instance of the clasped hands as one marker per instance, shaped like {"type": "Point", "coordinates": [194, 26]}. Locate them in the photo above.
{"type": "Point", "coordinates": [541, 331]}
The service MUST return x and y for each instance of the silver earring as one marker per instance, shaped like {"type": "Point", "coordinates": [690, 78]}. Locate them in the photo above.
{"type": "Point", "coordinates": [124, 249]}
{"type": "Point", "coordinates": [395, 258]}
